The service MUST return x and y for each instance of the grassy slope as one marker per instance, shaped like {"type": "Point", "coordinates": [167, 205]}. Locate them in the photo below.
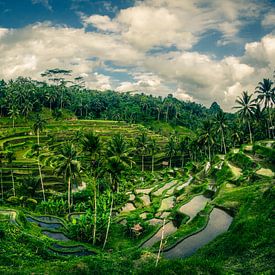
{"type": "Point", "coordinates": [248, 247]}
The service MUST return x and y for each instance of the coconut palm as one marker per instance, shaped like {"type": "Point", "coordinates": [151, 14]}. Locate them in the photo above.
{"type": "Point", "coordinates": [10, 156]}
{"type": "Point", "coordinates": [13, 113]}
{"type": "Point", "coordinates": [206, 136]}
{"type": "Point", "coordinates": [183, 147]}
{"type": "Point", "coordinates": [119, 156]}
{"type": "Point", "coordinates": [153, 147]}
{"type": "Point", "coordinates": [118, 160]}
{"type": "Point", "coordinates": [142, 147]}
{"type": "Point", "coordinates": [67, 162]}
{"type": "Point", "coordinates": [91, 146]}
{"type": "Point", "coordinates": [221, 123]}
{"type": "Point", "coordinates": [171, 149]}
{"type": "Point", "coordinates": [246, 109]}
{"type": "Point", "coordinates": [266, 96]}
{"type": "Point", "coordinates": [38, 127]}
{"type": "Point", "coordinates": [1, 179]}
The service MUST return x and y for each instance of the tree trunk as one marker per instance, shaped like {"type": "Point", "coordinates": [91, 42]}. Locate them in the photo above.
{"type": "Point", "coordinates": [142, 163]}
{"type": "Point", "coordinates": [41, 179]}
{"type": "Point", "coordinates": [170, 162]}
{"type": "Point", "coordinates": [109, 222]}
{"type": "Point", "coordinates": [69, 194]}
{"type": "Point", "coordinates": [13, 123]}
{"type": "Point", "coordinates": [13, 186]}
{"type": "Point", "coordinates": [167, 110]}
{"type": "Point", "coordinates": [223, 141]}
{"type": "Point", "coordinates": [61, 100]}
{"type": "Point", "coordinates": [182, 160]}
{"type": "Point", "coordinates": [95, 213]}
{"type": "Point", "coordinates": [152, 163]}
{"type": "Point", "coordinates": [161, 241]}
{"type": "Point", "coordinates": [38, 140]}
{"type": "Point", "coordinates": [2, 188]}
{"type": "Point", "coordinates": [209, 152]}
{"type": "Point", "coordinates": [271, 124]}
{"type": "Point", "coordinates": [250, 133]}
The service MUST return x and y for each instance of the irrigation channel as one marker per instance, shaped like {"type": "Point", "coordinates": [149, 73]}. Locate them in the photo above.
{"type": "Point", "coordinates": [52, 227]}
{"type": "Point", "coordinates": [192, 208]}
{"type": "Point", "coordinates": [219, 222]}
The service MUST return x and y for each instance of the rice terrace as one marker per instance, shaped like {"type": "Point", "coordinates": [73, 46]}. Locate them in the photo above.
{"type": "Point", "coordinates": [137, 137]}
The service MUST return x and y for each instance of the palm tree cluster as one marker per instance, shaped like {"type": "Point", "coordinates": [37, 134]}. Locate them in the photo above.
{"type": "Point", "coordinates": [23, 96]}
{"type": "Point", "coordinates": [259, 109]}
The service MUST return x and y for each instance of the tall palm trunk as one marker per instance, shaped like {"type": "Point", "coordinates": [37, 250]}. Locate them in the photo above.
{"type": "Point", "coordinates": [250, 133]}
{"type": "Point", "coordinates": [39, 168]}
{"type": "Point", "coordinates": [182, 160]}
{"type": "Point", "coordinates": [69, 194]}
{"type": "Point", "coordinates": [170, 162]}
{"type": "Point", "coordinates": [271, 130]}
{"type": "Point", "coordinates": [13, 186]}
{"type": "Point", "coordinates": [41, 179]}
{"type": "Point", "coordinates": [152, 163]}
{"type": "Point", "coordinates": [95, 213]}
{"type": "Point", "coordinates": [161, 241]}
{"type": "Point", "coordinates": [2, 188]}
{"type": "Point", "coordinates": [38, 139]}
{"type": "Point", "coordinates": [109, 221]}
{"type": "Point", "coordinates": [209, 152]}
{"type": "Point", "coordinates": [142, 163]}
{"type": "Point", "coordinates": [61, 99]}
{"type": "Point", "coordinates": [223, 141]}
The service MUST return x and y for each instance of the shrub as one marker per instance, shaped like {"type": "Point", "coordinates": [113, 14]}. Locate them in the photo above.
{"type": "Point", "coordinates": [13, 200]}
{"type": "Point", "coordinates": [269, 153]}
{"type": "Point", "coordinates": [223, 175]}
{"type": "Point", "coordinates": [243, 161]}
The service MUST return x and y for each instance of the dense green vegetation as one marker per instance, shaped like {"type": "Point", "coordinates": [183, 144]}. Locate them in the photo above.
{"type": "Point", "coordinates": [88, 177]}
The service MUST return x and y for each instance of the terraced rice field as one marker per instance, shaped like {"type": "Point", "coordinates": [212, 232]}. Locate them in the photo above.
{"type": "Point", "coordinates": [21, 140]}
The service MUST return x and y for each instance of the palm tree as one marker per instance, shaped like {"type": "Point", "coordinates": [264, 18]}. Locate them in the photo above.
{"type": "Point", "coordinates": [142, 147]}
{"type": "Point", "coordinates": [221, 122]}
{"type": "Point", "coordinates": [91, 145]}
{"type": "Point", "coordinates": [246, 110]}
{"type": "Point", "coordinates": [118, 154]}
{"type": "Point", "coordinates": [114, 167]}
{"type": "Point", "coordinates": [153, 147]}
{"type": "Point", "coordinates": [13, 113]}
{"type": "Point", "coordinates": [266, 95]}
{"type": "Point", "coordinates": [10, 156]}
{"type": "Point", "coordinates": [235, 138]}
{"type": "Point", "coordinates": [51, 96]}
{"type": "Point", "coordinates": [66, 162]}
{"type": "Point", "coordinates": [171, 149]}
{"type": "Point", "coordinates": [1, 163]}
{"type": "Point", "coordinates": [206, 136]}
{"type": "Point", "coordinates": [38, 127]}
{"type": "Point", "coordinates": [118, 160]}
{"type": "Point", "coordinates": [183, 147]}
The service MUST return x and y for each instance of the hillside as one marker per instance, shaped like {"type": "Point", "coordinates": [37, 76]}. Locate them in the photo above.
{"type": "Point", "coordinates": [238, 188]}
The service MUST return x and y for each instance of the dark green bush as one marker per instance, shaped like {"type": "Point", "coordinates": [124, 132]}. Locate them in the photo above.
{"type": "Point", "coordinates": [242, 161]}
{"type": "Point", "coordinates": [269, 153]}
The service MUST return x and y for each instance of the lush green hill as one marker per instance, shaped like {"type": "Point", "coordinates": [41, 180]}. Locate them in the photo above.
{"type": "Point", "coordinates": [241, 183]}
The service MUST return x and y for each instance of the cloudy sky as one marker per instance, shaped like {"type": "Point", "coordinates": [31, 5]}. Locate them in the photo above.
{"type": "Point", "coordinates": [199, 50]}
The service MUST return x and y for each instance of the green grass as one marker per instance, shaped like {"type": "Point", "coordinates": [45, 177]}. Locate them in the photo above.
{"type": "Point", "coordinates": [248, 246]}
